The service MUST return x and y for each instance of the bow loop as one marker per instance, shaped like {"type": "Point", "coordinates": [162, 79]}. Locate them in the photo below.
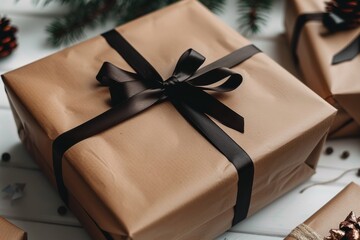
{"type": "Point", "coordinates": [188, 64]}
{"type": "Point", "coordinates": [109, 73]}
{"type": "Point", "coordinates": [122, 84]}
{"type": "Point", "coordinates": [232, 80]}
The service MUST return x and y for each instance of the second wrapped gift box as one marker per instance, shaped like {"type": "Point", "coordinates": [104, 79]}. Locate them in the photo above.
{"type": "Point", "coordinates": [316, 47]}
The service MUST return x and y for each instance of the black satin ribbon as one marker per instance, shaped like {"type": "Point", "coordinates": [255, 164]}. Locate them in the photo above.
{"type": "Point", "coordinates": [333, 23]}
{"type": "Point", "coordinates": [348, 53]}
{"type": "Point", "coordinates": [132, 93]}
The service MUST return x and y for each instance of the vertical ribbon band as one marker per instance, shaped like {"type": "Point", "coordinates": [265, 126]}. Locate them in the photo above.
{"type": "Point", "coordinates": [299, 25]}
{"type": "Point", "coordinates": [185, 90]}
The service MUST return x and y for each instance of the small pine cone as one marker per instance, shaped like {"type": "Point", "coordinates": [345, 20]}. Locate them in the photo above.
{"type": "Point", "coordinates": [348, 10]}
{"type": "Point", "coordinates": [352, 235]}
{"type": "Point", "coordinates": [7, 37]}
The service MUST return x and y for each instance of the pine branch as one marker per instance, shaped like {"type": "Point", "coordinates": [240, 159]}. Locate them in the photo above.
{"type": "Point", "coordinates": [90, 13]}
{"type": "Point", "coordinates": [253, 14]}
{"type": "Point", "coordinates": [216, 6]}
{"type": "Point", "coordinates": [71, 27]}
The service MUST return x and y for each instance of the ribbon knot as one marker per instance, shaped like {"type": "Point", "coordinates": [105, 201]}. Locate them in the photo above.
{"type": "Point", "coordinates": [171, 81]}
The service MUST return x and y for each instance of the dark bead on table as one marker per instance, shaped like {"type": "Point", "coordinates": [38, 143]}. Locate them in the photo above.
{"type": "Point", "coordinates": [5, 157]}
{"type": "Point", "coordinates": [329, 150]}
{"type": "Point", "coordinates": [62, 210]}
{"type": "Point", "coordinates": [345, 155]}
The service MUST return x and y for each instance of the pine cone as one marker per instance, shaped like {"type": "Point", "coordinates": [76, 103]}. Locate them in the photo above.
{"type": "Point", "coordinates": [7, 37]}
{"type": "Point", "coordinates": [349, 229]}
{"type": "Point", "coordinates": [347, 10]}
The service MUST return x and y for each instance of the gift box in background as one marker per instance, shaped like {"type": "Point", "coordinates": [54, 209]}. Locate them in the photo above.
{"type": "Point", "coordinates": [329, 216]}
{"type": "Point", "coordinates": [9, 231]}
{"type": "Point", "coordinates": [338, 83]}
{"type": "Point", "coordinates": [154, 176]}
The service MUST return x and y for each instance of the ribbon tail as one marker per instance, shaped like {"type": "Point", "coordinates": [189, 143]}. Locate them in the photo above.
{"type": "Point", "coordinates": [348, 53]}
{"type": "Point", "coordinates": [203, 102]}
{"type": "Point", "coordinates": [102, 122]}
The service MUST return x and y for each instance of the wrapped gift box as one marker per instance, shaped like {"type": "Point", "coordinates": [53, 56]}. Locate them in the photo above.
{"type": "Point", "coordinates": [9, 231]}
{"type": "Point", "coordinates": [331, 215]}
{"type": "Point", "coordinates": [338, 84]}
{"type": "Point", "coordinates": [154, 176]}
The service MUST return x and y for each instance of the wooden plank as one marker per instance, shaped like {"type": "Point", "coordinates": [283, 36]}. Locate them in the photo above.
{"type": "Point", "coordinates": [44, 231]}
{"type": "Point", "coordinates": [39, 203]}
{"type": "Point", "coordinates": [334, 161]}
{"type": "Point", "coordinates": [10, 143]}
{"type": "Point", "coordinates": [237, 236]}
{"type": "Point", "coordinates": [326, 174]}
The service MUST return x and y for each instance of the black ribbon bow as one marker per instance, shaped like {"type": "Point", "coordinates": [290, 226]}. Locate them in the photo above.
{"type": "Point", "coordinates": [334, 24]}
{"type": "Point", "coordinates": [186, 85]}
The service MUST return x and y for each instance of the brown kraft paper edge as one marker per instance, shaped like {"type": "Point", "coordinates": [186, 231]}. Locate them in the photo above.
{"type": "Point", "coordinates": [9, 231]}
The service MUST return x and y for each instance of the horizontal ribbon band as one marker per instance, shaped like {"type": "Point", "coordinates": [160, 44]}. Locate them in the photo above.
{"type": "Point", "coordinates": [132, 93]}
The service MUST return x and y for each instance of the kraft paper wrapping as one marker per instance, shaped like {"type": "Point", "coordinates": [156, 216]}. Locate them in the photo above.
{"type": "Point", "coordinates": [338, 84]}
{"type": "Point", "coordinates": [154, 176]}
{"type": "Point", "coordinates": [9, 231]}
{"type": "Point", "coordinates": [335, 211]}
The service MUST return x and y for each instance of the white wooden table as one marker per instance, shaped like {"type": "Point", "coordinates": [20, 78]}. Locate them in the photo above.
{"type": "Point", "coordinates": [37, 213]}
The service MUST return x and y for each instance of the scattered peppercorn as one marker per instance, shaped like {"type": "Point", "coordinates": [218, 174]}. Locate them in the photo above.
{"type": "Point", "coordinates": [62, 210]}
{"type": "Point", "coordinates": [345, 155]}
{"type": "Point", "coordinates": [329, 150]}
{"type": "Point", "coordinates": [5, 157]}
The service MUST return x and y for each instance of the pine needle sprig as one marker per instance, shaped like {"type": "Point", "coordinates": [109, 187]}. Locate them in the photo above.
{"type": "Point", "coordinates": [69, 28]}
{"type": "Point", "coordinates": [216, 6]}
{"type": "Point", "coordinates": [90, 13]}
{"type": "Point", "coordinates": [253, 14]}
